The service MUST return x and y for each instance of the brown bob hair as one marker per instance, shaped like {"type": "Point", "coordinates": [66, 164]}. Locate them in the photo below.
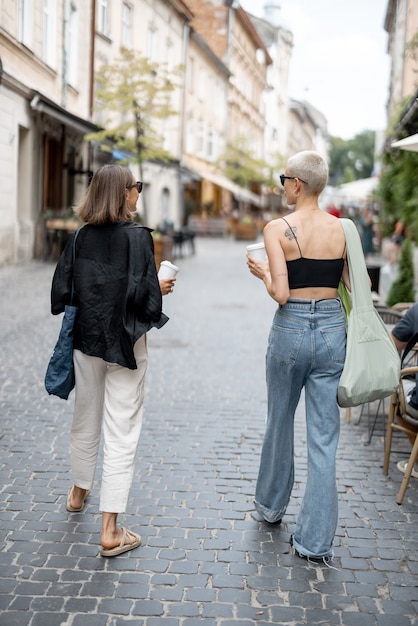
{"type": "Point", "coordinates": [105, 199]}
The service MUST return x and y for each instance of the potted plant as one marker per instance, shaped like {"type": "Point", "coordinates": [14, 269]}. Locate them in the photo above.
{"type": "Point", "coordinates": [246, 229]}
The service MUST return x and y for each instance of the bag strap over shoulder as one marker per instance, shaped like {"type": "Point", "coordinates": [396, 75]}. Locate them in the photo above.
{"type": "Point", "coordinates": [359, 277]}
{"type": "Point", "coordinates": [73, 258]}
{"type": "Point", "coordinates": [411, 343]}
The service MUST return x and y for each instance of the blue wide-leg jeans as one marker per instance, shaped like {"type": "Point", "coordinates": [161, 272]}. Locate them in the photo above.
{"type": "Point", "coordinates": [306, 349]}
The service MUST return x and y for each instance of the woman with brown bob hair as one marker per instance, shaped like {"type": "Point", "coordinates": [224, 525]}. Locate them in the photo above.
{"type": "Point", "coordinates": [119, 300]}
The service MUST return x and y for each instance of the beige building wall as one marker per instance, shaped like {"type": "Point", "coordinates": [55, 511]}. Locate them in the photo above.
{"type": "Point", "coordinates": [42, 99]}
{"type": "Point", "coordinates": [249, 60]}
{"type": "Point", "coordinates": [205, 125]}
{"type": "Point", "coordinates": [231, 35]}
{"type": "Point", "coordinates": [158, 30]}
{"type": "Point", "coordinates": [411, 63]}
{"type": "Point", "coordinates": [401, 23]}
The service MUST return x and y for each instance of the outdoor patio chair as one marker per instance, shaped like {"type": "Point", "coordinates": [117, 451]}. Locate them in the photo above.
{"type": "Point", "coordinates": [389, 315]}
{"type": "Point", "coordinates": [399, 420]}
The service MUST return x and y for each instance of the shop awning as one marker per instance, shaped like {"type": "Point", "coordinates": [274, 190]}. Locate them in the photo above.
{"type": "Point", "coordinates": [409, 143]}
{"type": "Point", "coordinates": [42, 104]}
{"type": "Point", "coordinates": [240, 193]}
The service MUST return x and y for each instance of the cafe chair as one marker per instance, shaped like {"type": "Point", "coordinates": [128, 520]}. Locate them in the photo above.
{"type": "Point", "coordinates": [399, 420]}
{"type": "Point", "coordinates": [389, 315]}
{"type": "Point", "coordinates": [402, 306]}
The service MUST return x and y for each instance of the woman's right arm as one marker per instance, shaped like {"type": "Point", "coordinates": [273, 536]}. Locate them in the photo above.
{"type": "Point", "coordinates": [278, 286]}
{"type": "Point", "coordinates": [274, 271]}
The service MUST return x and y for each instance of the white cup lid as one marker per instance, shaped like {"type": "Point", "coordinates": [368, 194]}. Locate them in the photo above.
{"type": "Point", "coordinates": [256, 246]}
{"type": "Point", "coordinates": [170, 264]}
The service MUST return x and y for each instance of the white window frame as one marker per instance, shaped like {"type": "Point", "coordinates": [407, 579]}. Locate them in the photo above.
{"type": "Point", "coordinates": [72, 47]}
{"type": "Point", "coordinates": [25, 22]}
{"type": "Point", "coordinates": [103, 17]}
{"type": "Point", "coordinates": [200, 138]}
{"type": "Point", "coordinates": [127, 17]}
{"type": "Point", "coordinates": [190, 135]}
{"type": "Point", "coordinates": [152, 43]}
{"type": "Point", "coordinates": [191, 74]}
{"type": "Point", "coordinates": [50, 33]}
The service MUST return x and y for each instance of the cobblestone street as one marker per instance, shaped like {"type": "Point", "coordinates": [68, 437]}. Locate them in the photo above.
{"type": "Point", "coordinates": [206, 557]}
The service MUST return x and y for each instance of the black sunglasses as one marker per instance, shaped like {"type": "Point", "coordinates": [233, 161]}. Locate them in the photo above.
{"type": "Point", "coordinates": [283, 178]}
{"type": "Point", "coordinates": [138, 186]}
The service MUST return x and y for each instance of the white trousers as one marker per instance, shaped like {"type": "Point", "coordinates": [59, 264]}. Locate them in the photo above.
{"type": "Point", "coordinates": [111, 396]}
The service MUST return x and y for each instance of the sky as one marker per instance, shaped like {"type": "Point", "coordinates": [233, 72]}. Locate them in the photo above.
{"type": "Point", "coordinates": [339, 59]}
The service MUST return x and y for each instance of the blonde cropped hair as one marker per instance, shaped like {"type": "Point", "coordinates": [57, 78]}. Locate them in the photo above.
{"type": "Point", "coordinates": [309, 166]}
{"type": "Point", "coordinates": [105, 199]}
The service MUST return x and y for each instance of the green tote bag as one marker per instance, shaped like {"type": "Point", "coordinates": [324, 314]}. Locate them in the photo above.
{"type": "Point", "coordinates": [372, 363]}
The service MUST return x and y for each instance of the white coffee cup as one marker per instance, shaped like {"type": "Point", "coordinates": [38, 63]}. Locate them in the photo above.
{"type": "Point", "coordinates": [167, 270]}
{"type": "Point", "coordinates": [257, 251]}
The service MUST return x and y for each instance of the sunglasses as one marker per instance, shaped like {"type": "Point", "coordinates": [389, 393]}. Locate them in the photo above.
{"type": "Point", "coordinates": [283, 178]}
{"type": "Point", "coordinates": [138, 186]}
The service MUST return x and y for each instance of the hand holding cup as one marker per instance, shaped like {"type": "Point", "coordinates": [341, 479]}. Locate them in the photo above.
{"type": "Point", "coordinates": [167, 276]}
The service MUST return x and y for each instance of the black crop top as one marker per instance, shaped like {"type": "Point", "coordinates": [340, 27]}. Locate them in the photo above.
{"type": "Point", "coordinates": [304, 272]}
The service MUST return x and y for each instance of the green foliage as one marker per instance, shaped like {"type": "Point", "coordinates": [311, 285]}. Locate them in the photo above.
{"type": "Point", "coordinates": [411, 49]}
{"type": "Point", "coordinates": [402, 288]}
{"type": "Point", "coordinates": [351, 159]}
{"type": "Point", "coordinates": [132, 93]}
{"type": "Point", "coordinates": [239, 164]}
{"type": "Point", "coordinates": [397, 191]}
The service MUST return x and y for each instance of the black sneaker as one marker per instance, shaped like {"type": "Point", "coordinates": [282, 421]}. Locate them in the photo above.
{"type": "Point", "coordinates": [325, 560]}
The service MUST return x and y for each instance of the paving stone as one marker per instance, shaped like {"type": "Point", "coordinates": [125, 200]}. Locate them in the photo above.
{"type": "Point", "coordinates": [207, 556]}
{"type": "Point", "coordinates": [16, 618]}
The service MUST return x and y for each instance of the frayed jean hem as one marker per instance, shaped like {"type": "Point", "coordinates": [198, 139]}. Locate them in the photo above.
{"type": "Point", "coordinates": [269, 516]}
{"type": "Point", "coordinates": [304, 552]}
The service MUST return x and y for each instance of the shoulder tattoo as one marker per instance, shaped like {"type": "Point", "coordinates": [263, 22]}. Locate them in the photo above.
{"type": "Point", "coordinates": [290, 233]}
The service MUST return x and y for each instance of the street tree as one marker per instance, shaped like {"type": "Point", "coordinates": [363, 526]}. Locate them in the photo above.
{"type": "Point", "coordinates": [131, 94]}
{"type": "Point", "coordinates": [241, 166]}
{"type": "Point", "coordinates": [351, 159]}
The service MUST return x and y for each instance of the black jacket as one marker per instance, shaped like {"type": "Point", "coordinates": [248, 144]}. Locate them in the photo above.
{"type": "Point", "coordinates": [116, 289]}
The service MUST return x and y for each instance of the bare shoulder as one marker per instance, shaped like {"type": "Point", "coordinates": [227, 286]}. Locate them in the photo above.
{"type": "Point", "coordinates": [275, 227]}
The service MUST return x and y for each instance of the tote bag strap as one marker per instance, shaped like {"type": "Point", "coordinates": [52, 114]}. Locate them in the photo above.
{"type": "Point", "coordinates": [411, 343]}
{"type": "Point", "coordinates": [73, 257]}
{"type": "Point", "coordinates": [359, 278]}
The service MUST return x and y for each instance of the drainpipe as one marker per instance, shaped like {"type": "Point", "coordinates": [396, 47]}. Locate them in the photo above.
{"type": "Point", "coordinates": [186, 37]}
{"type": "Point", "coordinates": [64, 55]}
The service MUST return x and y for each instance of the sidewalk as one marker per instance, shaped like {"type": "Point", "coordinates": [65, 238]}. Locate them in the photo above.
{"type": "Point", "coordinates": [206, 556]}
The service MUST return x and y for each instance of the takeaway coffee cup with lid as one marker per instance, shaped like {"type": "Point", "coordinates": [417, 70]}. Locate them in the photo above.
{"type": "Point", "coordinates": [167, 270]}
{"type": "Point", "coordinates": [257, 251]}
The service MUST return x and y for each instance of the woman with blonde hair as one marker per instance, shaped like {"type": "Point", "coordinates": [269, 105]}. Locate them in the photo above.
{"type": "Point", "coordinates": [119, 300]}
{"type": "Point", "coordinates": [306, 349]}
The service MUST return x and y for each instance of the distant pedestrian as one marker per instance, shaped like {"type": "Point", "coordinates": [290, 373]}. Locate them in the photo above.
{"type": "Point", "coordinates": [119, 299]}
{"type": "Point", "coordinates": [366, 224]}
{"type": "Point", "coordinates": [402, 333]}
{"type": "Point", "coordinates": [332, 210]}
{"type": "Point", "coordinates": [394, 245]}
{"type": "Point", "coordinates": [306, 350]}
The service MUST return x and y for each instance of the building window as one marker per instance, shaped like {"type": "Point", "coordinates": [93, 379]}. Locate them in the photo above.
{"type": "Point", "coordinates": [126, 25]}
{"type": "Point", "coordinates": [50, 30]}
{"type": "Point", "coordinates": [166, 135]}
{"type": "Point", "coordinates": [25, 22]}
{"type": "Point", "coordinates": [191, 75]}
{"type": "Point", "coordinates": [103, 17]}
{"type": "Point", "coordinates": [201, 84]}
{"type": "Point", "coordinates": [209, 147]}
{"type": "Point", "coordinates": [152, 44]}
{"type": "Point", "coordinates": [165, 207]}
{"type": "Point", "coordinates": [72, 46]}
{"type": "Point", "coordinates": [190, 136]}
{"type": "Point", "coordinates": [170, 55]}
{"type": "Point", "coordinates": [200, 138]}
